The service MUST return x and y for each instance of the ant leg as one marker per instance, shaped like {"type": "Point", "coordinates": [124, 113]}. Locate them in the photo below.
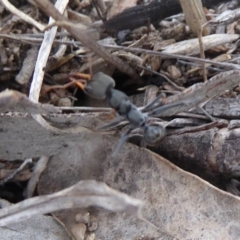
{"type": "Point", "coordinates": [80, 75]}
{"type": "Point", "coordinates": [80, 84]}
{"type": "Point", "coordinates": [149, 106]}
{"type": "Point", "coordinates": [111, 124]}
{"type": "Point", "coordinates": [156, 112]}
{"type": "Point", "coordinates": [121, 141]}
{"type": "Point", "coordinates": [47, 89]}
{"type": "Point", "coordinates": [207, 114]}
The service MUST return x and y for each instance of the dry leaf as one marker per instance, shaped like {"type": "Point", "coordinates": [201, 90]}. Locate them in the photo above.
{"type": "Point", "coordinates": [180, 204]}
{"type": "Point", "coordinates": [81, 195]}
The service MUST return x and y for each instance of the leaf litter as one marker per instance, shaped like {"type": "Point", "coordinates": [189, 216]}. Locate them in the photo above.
{"type": "Point", "coordinates": [184, 206]}
{"type": "Point", "coordinates": [180, 204]}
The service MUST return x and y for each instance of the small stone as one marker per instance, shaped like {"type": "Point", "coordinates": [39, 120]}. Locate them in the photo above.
{"type": "Point", "coordinates": [83, 218]}
{"type": "Point", "coordinates": [91, 236]}
{"type": "Point", "coordinates": [93, 224]}
{"type": "Point", "coordinates": [79, 230]}
{"type": "Point", "coordinates": [174, 72]}
{"type": "Point", "coordinates": [64, 102]}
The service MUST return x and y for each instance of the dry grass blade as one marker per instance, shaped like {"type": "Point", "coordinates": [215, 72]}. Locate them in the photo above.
{"type": "Point", "coordinates": [81, 195]}
{"type": "Point", "coordinates": [86, 39]}
{"type": "Point", "coordinates": [201, 92]}
{"type": "Point", "coordinates": [195, 18]}
{"type": "Point", "coordinates": [194, 15]}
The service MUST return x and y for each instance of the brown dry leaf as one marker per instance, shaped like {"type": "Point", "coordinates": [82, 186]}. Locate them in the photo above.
{"type": "Point", "coordinates": [15, 101]}
{"type": "Point", "coordinates": [191, 47]}
{"type": "Point", "coordinates": [180, 204]}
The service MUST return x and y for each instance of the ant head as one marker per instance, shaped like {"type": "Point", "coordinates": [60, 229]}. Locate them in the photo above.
{"type": "Point", "coordinates": [99, 85]}
{"type": "Point", "coordinates": [154, 134]}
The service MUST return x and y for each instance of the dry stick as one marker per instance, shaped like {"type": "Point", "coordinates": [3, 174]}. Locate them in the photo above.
{"type": "Point", "coordinates": [202, 54]}
{"type": "Point", "coordinates": [22, 15]}
{"type": "Point", "coordinates": [133, 49]}
{"type": "Point", "coordinates": [165, 77]}
{"type": "Point", "coordinates": [43, 54]}
{"type": "Point", "coordinates": [39, 74]}
{"type": "Point", "coordinates": [33, 181]}
{"type": "Point", "coordinates": [12, 175]}
{"type": "Point", "coordinates": [228, 66]}
{"type": "Point", "coordinates": [86, 39]}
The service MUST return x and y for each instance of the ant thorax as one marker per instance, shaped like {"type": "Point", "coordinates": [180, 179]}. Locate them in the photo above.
{"type": "Point", "coordinates": [136, 117]}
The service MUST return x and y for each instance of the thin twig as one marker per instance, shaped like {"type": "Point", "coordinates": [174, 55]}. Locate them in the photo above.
{"type": "Point", "coordinates": [43, 55]}
{"type": "Point", "coordinates": [22, 15]}
{"type": "Point", "coordinates": [86, 39]}
{"type": "Point", "coordinates": [19, 169]}
{"type": "Point", "coordinates": [165, 77]}
{"type": "Point", "coordinates": [202, 54]}
{"type": "Point", "coordinates": [33, 181]}
{"type": "Point", "coordinates": [229, 66]}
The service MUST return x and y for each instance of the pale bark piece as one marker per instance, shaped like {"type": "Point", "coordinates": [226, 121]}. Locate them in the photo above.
{"type": "Point", "coordinates": [38, 228]}
{"type": "Point", "coordinates": [191, 47]}
{"type": "Point", "coordinates": [180, 204]}
{"type": "Point", "coordinates": [29, 62]}
{"type": "Point", "coordinates": [11, 100]}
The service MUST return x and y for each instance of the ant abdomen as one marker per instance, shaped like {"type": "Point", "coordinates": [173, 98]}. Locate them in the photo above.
{"type": "Point", "coordinates": [99, 85]}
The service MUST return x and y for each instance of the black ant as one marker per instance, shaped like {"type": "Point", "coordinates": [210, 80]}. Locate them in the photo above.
{"type": "Point", "coordinates": [101, 86]}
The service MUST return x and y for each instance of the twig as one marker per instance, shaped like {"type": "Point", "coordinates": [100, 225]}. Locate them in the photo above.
{"type": "Point", "coordinates": [22, 15]}
{"type": "Point", "coordinates": [40, 65]}
{"type": "Point", "coordinates": [85, 109]}
{"type": "Point", "coordinates": [202, 54]}
{"type": "Point", "coordinates": [39, 168]}
{"type": "Point", "coordinates": [12, 175]}
{"type": "Point", "coordinates": [165, 77]}
{"type": "Point", "coordinates": [86, 39]}
{"type": "Point", "coordinates": [168, 55]}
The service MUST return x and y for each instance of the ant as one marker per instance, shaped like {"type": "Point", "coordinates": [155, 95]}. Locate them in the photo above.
{"type": "Point", "coordinates": [101, 86]}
